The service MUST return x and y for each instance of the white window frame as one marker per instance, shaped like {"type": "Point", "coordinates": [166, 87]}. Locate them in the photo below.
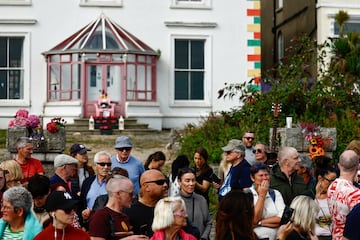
{"type": "Point", "coordinates": [26, 53]}
{"type": "Point", "coordinates": [352, 19]}
{"type": "Point", "coordinates": [206, 102]}
{"type": "Point", "coordinates": [189, 4]}
{"type": "Point", "coordinates": [99, 3]}
{"type": "Point", "coordinates": [280, 46]}
{"type": "Point", "coordinates": [16, 2]}
{"type": "Point", "coordinates": [280, 4]}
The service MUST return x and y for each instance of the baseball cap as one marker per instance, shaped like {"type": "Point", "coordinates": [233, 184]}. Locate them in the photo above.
{"type": "Point", "coordinates": [60, 200]}
{"type": "Point", "coordinates": [122, 142]}
{"type": "Point", "coordinates": [79, 148]}
{"type": "Point", "coordinates": [234, 144]}
{"type": "Point", "coordinates": [63, 159]}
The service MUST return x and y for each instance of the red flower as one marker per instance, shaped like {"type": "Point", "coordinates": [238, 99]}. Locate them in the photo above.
{"type": "Point", "coordinates": [52, 127]}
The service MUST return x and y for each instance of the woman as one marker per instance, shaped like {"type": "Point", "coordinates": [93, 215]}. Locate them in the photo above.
{"type": "Point", "coordinates": [155, 160]}
{"type": "Point", "coordinates": [268, 203]}
{"type": "Point", "coordinates": [234, 218]}
{"type": "Point", "coordinates": [196, 205]}
{"type": "Point", "coordinates": [61, 208]}
{"type": "Point", "coordinates": [181, 161]}
{"type": "Point", "coordinates": [18, 222]}
{"type": "Point", "coordinates": [13, 174]}
{"type": "Point", "coordinates": [303, 220]}
{"type": "Point", "coordinates": [169, 218]}
{"type": "Point", "coordinates": [326, 175]}
{"type": "Point", "coordinates": [203, 173]}
{"type": "Point", "coordinates": [2, 182]}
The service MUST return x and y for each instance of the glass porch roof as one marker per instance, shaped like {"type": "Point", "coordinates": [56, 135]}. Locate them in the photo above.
{"type": "Point", "coordinates": [102, 35]}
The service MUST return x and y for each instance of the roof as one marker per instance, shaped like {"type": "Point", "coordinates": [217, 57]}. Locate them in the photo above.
{"type": "Point", "coordinates": [102, 35]}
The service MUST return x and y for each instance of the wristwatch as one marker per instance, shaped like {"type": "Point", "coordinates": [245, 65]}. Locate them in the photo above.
{"type": "Point", "coordinates": [259, 224]}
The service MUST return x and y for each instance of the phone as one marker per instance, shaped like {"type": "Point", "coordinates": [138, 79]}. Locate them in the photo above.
{"type": "Point", "coordinates": [287, 214]}
{"type": "Point", "coordinates": [215, 178]}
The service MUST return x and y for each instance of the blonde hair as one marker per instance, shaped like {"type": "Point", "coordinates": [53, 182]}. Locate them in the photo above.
{"type": "Point", "coordinates": [305, 212]}
{"type": "Point", "coordinates": [14, 172]}
{"type": "Point", "coordinates": [164, 212]}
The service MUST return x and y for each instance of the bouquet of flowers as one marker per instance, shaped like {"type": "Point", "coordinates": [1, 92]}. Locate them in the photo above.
{"type": "Point", "coordinates": [23, 119]}
{"type": "Point", "coordinates": [55, 124]}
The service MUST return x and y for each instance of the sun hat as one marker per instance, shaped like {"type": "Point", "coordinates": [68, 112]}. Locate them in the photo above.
{"type": "Point", "coordinates": [122, 142]}
{"type": "Point", "coordinates": [60, 200]}
{"type": "Point", "coordinates": [234, 144]}
{"type": "Point", "coordinates": [63, 159]}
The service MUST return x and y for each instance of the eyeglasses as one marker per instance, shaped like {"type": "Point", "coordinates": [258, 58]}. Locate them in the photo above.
{"type": "Point", "coordinates": [159, 182]}
{"type": "Point", "coordinates": [257, 150]}
{"type": "Point", "coordinates": [6, 208]}
{"type": "Point", "coordinates": [180, 214]}
{"type": "Point", "coordinates": [130, 193]}
{"type": "Point", "coordinates": [124, 148]}
{"type": "Point", "coordinates": [329, 180]}
{"type": "Point", "coordinates": [249, 138]}
{"type": "Point", "coordinates": [69, 210]}
{"type": "Point", "coordinates": [104, 163]}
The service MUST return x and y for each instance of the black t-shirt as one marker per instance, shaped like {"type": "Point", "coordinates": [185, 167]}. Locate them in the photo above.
{"type": "Point", "coordinates": [141, 218]}
{"type": "Point", "coordinates": [207, 177]}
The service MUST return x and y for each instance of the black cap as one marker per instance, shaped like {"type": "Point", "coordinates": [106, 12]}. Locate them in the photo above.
{"type": "Point", "coordinates": [79, 148]}
{"type": "Point", "coordinates": [60, 200]}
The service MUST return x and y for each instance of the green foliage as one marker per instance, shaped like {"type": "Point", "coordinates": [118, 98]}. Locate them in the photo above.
{"type": "Point", "coordinates": [329, 99]}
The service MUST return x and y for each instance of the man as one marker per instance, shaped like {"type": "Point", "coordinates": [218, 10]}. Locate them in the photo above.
{"type": "Point", "coordinates": [79, 152]}
{"type": "Point", "coordinates": [239, 173]}
{"type": "Point", "coordinates": [65, 168]}
{"type": "Point", "coordinates": [351, 229]}
{"type": "Point", "coordinates": [110, 222]}
{"type": "Point", "coordinates": [248, 140]}
{"type": "Point", "coordinates": [39, 187]}
{"type": "Point", "coordinates": [261, 153]}
{"type": "Point", "coordinates": [342, 195]}
{"type": "Point", "coordinates": [153, 188]}
{"type": "Point", "coordinates": [283, 175]}
{"type": "Point", "coordinates": [95, 185]}
{"type": "Point", "coordinates": [29, 166]}
{"type": "Point", "coordinates": [124, 160]}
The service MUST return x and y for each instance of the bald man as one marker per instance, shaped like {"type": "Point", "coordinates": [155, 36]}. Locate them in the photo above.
{"type": "Point", "coordinates": [153, 187]}
{"type": "Point", "coordinates": [111, 221]}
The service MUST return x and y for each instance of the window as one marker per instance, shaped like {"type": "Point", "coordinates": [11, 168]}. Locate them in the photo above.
{"type": "Point", "coordinates": [189, 69]}
{"type": "Point", "coordinates": [11, 67]}
{"type": "Point", "coordinates": [280, 4]}
{"type": "Point", "coordinates": [280, 44]}
{"type": "Point", "coordinates": [352, 25]}
{"type": "Point", "coordinates": [97, 3]}
{"type": "Point", "coordinates": [200, 4]}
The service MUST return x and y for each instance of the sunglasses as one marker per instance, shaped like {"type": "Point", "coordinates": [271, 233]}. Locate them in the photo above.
{"type": "Point", "coordinates": [159, 182]}
{"type": "Point", "coordinates": [257, 150]}
{"type": "Point", "coordinates": [103, 164]}
{"type": "Point", "coordinates": [249, 138]}
{"type": "Point", "coordinates": [124, 148]}
{"type": "Point", "coordinates": [228, 152]}
{"type": "Point", "coordinates": [68, 211]}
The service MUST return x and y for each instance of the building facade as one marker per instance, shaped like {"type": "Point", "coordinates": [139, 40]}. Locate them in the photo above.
{"type": "Point", "coordinates": [161, 62]}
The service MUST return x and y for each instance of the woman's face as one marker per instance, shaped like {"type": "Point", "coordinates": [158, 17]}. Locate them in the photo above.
{"type": "Point", "coordinates": [157, 164]}
{"type": "Point", "coordinates": [180, 216]}
{"type": "Point", "coordinates": [327, 180]}
{"type": "Point", "coordinates": [9, 214]}
{"type": "Point", "coordinates": [198, 160]}
{"type": "Point", "coordinates": [65, 217]}
{"type": "Point", "coordinates": [187, 183]}
{"type": "Point", "coordinates": [260, 176]}
{"type": "Point", "coordinates": [2, 179]}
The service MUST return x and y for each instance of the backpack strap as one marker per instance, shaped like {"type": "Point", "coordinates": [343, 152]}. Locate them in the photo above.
{"type": "Point", "coordinates": [272, 194]}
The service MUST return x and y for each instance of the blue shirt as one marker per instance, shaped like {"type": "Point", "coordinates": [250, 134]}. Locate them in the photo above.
{"type": "Point", "coordinates": [96, 189]}
{"type": "Point", "coordinates": [134, 167]}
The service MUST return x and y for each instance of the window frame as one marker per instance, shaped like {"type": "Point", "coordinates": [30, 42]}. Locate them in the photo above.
{"type": "Point", "coordinates": [15, 3]}
{"type": "Point", "coordinates": [207, 72]}
{"type": "Point", "coordinates": [191, 4]}
{"type": "Point", "coordinates": [101, 3]}
{"type": "Point", "coordinates": [25, 101]}
{"type": "Point", "coordinates": [353, 19]}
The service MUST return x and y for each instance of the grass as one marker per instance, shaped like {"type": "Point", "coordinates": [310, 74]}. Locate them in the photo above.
{"type": "Point", "coordinates": [3, 138]}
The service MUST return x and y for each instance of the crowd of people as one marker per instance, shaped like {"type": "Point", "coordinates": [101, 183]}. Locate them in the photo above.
{"type": "Point", "coordinates": [289, 197]}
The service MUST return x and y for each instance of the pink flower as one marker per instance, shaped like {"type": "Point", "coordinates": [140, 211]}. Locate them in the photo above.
{"type": "Point", "coordinates": [33, 121]}
{"type": "Point", "coordinates": [22, 113]}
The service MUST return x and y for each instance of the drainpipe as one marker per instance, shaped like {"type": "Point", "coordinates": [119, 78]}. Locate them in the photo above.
{"type": "Point", "coordinates": [273, 30]}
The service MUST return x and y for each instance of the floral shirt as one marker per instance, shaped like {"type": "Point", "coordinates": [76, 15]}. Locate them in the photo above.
{"type": "Point", "coordinates": [342, 196]}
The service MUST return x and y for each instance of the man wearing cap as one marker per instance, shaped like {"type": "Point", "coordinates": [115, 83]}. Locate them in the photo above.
{"type": "Point", "coordinates": [29, 166]}
{"type": "Point", "coordinates": [61, 208]}
{"type": "Point", "coordinates": [79, 152]}
{"type": "Point", "coordinates": [239, 173]}
{"type": "Point", "coordinates": [65, 168]}
{"type": "Point", "coordinates": [124, 160]}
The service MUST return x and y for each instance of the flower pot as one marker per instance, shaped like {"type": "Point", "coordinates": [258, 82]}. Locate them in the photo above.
{"type": "Point", "coordinates": [56, 142]}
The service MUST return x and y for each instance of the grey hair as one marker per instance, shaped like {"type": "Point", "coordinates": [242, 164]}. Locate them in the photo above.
{"type": "Point", "coordinates": [284, 153]}
{"type": "Point", "coordinates": [349, 161]}
{"type": "Point", "coordinates": [101, 153]}
{"type": "Point", "coordinates": [22, 141]}
{"type": "Point", "coordinates": [305, 212]}
{"type": "Point", "coordinates": [266, 147]}
{"type": "Point", "coordinates": [19, 197]}
{"type": "Point", "coordinates": [116, 184]}
{"type": "Point", "coordinates": [164, 212]}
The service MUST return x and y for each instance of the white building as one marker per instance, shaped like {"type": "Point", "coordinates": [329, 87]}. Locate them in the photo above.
{"type": "Point", "coordinates": [159, 61]}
